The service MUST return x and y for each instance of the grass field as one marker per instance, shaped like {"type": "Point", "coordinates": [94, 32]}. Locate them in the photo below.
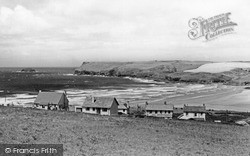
{"type": "Point", "coordinates": [83, 134]}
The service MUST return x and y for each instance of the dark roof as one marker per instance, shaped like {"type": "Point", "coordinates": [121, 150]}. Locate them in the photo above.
{"type": "Point", "coordinates": [159, 106]}
{"type": "Point", "coordinates": [99, 102]}
{"type": "Point", "coordinates": [178, 110]}
{"type": "Point", "coordinates": [122, 106]}
{"type": "Point", "coordinates": [45, 98]}
{"type": "Point", "coordinates": [198, 109]}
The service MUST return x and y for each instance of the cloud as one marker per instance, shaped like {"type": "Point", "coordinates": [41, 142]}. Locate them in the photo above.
{"type": "Point", "coordinates": [20, 20]}
{"type": "Point", "coordinates": [119, 30]}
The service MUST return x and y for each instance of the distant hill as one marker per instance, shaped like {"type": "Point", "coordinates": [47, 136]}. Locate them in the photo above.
{"type": "Point", "coordinates": [168, 71]}
{"type": "Point", "coordinates": [167, 66]}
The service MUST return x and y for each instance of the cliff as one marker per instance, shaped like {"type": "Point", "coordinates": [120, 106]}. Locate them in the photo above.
{"type": "Point", "coordinates": [167, 71]}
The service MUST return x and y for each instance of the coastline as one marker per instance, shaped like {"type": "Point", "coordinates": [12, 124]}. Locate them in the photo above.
{"type": "Point", "coordinates": [135, 90]}
{"type": "Point", "coordinates": [218, 97]}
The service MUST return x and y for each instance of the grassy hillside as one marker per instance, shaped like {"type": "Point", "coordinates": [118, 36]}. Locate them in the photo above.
{"type": "Point", "coordinates": [147, 65]}
{"type": "Point", "coordinates": [84, 134]}
{"type": "Point", "coordinates": [168, 71]}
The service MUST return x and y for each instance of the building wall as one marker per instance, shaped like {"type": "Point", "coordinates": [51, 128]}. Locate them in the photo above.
{"type": "Point", "coordinates": [167, 114]}
{"type": "Point", "coordinates": [90, 111]}
{"type": "Point", "coordinates": [64, 102]}
{"type": "Point", "coordinates": [72, 108]}
{"type": "Point", "coordinates": [193, 116]}
{"type": "Point", "coordinates": [94, 111]}
{"type": "Point", "coordinates": [105, 112]}
{"type": "Point", "coordinates": [78, 109]}
{"type": "Point", "coordinates": [45, 107]}
{"type": "Point", "coordinates": [122, 111]}
{"type": "Point", "coordinates": [114, 108]}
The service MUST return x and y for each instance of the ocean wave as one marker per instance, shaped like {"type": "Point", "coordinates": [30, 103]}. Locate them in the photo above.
{"type": "Point", "coordinates": [143, 80]}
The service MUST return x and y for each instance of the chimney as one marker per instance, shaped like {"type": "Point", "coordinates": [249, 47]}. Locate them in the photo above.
{"type": "Point", "coordinates": [165, 102]}
{"type": "Point", "coordinates": [126, 105]}
{"type": "Point", "coordinates": [93, 99]}
{"type": "Point", "coordinates": [65, 93]}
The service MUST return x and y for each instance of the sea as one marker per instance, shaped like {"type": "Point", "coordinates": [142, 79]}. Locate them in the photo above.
{"type": "Point", "coordinates": [55, 70]}
{"type": "Point", "coordinates": [17, 88]}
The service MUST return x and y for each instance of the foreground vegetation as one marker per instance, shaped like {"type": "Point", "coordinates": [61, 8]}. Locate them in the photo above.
{"type": "Point", "coordinates": [83, 134]}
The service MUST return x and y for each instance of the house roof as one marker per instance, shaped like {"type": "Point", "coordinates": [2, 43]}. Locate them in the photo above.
{"type": "Point", "coordinates": [159, 106]}
{"type": "Point", "coordinates": [99, 102]}
{"type": "Point", "coordinates": [198, 109]}
{"type": "Point", "coordinates": [45, 98]}
{"type": "Point", "coordinates": [178, 110]}
{"type": "Point", "coordinates": [122, 106]}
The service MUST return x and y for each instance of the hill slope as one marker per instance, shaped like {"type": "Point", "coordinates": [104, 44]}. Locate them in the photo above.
{"type": "Point", "coordinates": [83, 134]}
{"type": "Point", "coordinates": [168, 71]}
{"type": "Point", "coordinates": [167, 66]}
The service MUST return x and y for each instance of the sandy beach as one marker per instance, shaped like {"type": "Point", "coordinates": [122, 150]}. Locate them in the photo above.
{"type": "Point", "coordinates": [215, 96]}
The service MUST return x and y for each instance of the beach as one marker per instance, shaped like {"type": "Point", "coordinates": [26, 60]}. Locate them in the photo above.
{"type": "Point", "coordinates": [218, 97]}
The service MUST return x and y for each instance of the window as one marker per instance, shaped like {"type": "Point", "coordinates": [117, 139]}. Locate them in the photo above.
{"type": "Point", "coordinates": [168, 112]}
{"type": "Point", "coordinates": [87, 109]}
{"type": "Point", "coordinates": [165, 111]}
{"type": "Point", "coordinates": [93, 109]}
{"type": "Point", "coordinates": [123, 110]}
{"type": "Point", "coordinates": [104, 109]}
{"type": "Point", "coordinates": [78, 109]}
{"type": "Point", "coordinates": [156, 112]}
{"type": "Point", "coordinates": [150, 111]}
{"type": "Point", "coordinates": [160, 111]}
{"type": "Point", "coordinates": [195, 114]}
{"type": "Point", "coordinates": [186, 113]}
{"type": "Point", "coordinates": [43, 106]}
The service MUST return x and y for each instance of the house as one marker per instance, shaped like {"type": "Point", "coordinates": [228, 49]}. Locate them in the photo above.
{"type": "Point", "coordinates": [51, 101]}
{"type": "Point", "coordinates": [99, 105]}
{"type": "Point", "coordinates": [156, 109]}
{"type": "Point", "coordinates": [123, 108]}
{"type": "Point", "coordinates": [193, 113]}
{"type": "Point", "coordinates": [177, 112]}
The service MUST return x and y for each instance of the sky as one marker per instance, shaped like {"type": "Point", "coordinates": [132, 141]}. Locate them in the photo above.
{"type": "Point", "coordinates": [65, 33]}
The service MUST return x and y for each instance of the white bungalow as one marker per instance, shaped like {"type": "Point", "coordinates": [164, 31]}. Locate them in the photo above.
{"type": "Point", "coordinates": [51, 100]}
{"type": "Point", "coordinates": [99, 105]}
{"type": "Point", "coordinates": [157, 109]}
{"type": "Point", "coordinates": [194, 113]}
{"type": "Point", "coordinates": [123, 108]}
